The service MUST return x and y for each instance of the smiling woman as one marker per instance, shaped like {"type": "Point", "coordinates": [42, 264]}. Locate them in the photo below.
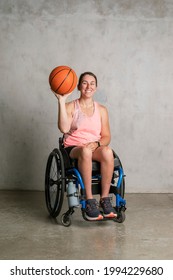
{"type": "Point", "coordinates": [81, 80]}
{"type": "Point", "coordinates": [86, 129]}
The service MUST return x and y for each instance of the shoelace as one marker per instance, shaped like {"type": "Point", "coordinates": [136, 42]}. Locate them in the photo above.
{"type": "Point", "coordinates": [106, 203]}
{"type": "Point", "coordinates": [93, 204]}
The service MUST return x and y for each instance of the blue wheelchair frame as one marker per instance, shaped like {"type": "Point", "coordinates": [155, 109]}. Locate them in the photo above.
{"type": "Point", "coordinates": [120, 202]}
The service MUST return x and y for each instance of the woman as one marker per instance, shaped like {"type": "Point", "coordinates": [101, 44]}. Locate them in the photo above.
{"type": "Point", "coordinates": [86, 130]}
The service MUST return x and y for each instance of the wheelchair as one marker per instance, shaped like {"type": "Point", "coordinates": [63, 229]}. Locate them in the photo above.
{"type": "Point", "coordinates": [61, 171]}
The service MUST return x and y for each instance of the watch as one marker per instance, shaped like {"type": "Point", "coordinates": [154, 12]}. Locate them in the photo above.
{"type": "Point", "coordinates": [98, 143]}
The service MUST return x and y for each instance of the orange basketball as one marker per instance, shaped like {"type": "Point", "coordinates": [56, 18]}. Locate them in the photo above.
{"type": "Point", "coordinates": [63, 80]}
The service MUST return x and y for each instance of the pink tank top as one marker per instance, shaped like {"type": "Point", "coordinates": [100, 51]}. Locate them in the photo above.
{"type": "Point", "coordinates": [84, 129]}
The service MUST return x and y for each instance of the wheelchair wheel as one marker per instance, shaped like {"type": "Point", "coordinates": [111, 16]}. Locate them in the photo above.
{"type": "Point", "coordinates": [121, 217]}
{"type": "Point", "coordinates": [65, 220]}
{"type": "Point", "coordinates": [117, 174]}
{"type": "Point", "coordinates": [54, 182]}
{"type": "Point", "coordinates": [122, 188]}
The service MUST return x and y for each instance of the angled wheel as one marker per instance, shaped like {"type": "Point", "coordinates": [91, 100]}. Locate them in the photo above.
{"type": "Point", "coordinates": [121, 217]}
{"type": "Point", "coordinates": [122, 188]}
{"type": "Point", "coordinates": [54, 182]}
{"type": "Point", "coordinates": [65, 219]}
{"type": "Point", "coordinates": [117, 174]}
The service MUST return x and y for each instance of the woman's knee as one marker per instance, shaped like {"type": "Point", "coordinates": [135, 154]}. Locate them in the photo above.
{"type": "Point", "coordinates": [106, 153]}
{"type": "Point", "coordinates": [85, 153]}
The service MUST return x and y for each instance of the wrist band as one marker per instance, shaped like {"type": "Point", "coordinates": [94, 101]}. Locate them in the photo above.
{"type": "Point", "coordinates": [98, 143]}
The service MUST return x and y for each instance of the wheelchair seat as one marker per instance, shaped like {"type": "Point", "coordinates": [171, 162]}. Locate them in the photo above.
{"type": "Point", "coordinates": [73, 163]}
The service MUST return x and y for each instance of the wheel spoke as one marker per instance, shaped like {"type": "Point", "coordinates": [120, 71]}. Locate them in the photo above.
{"type": "Point", "coordinates": [54, 183]}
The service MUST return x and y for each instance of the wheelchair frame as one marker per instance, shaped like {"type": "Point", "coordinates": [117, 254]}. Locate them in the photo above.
{"type": "Point", "coordinates": [61, 169]}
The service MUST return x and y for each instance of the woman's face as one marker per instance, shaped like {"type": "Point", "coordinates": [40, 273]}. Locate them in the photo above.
{"type": "Point", "coordinates": [88, 86]}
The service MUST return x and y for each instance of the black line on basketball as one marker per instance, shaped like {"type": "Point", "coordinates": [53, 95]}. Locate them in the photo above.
{"type": "Point", "coordinates": [63, 81]}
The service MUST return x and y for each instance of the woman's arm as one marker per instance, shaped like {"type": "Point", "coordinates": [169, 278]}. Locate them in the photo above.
{"type": "Point", "coordinates": [105, 127]}
{"type": "Point", "coordinates": [65, 113]}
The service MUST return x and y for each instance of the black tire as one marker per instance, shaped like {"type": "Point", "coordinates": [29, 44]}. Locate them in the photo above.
{"type": "Point", "coordinates": [54, 183]}
{"type": "Point", "coordinates": [122, 188]}
{"type": "Point", "coordinates": [116, 171]}
{"type": "Point", "coordinates": [121, 217]}
{"type": "Point", "coordinates": [65, 220]}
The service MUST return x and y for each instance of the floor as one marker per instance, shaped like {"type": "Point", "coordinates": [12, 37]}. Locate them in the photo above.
{"type": "Point", "coordinates": [27, 231]}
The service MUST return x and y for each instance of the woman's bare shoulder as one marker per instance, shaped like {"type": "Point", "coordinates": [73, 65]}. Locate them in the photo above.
{"type": "Point", "coordinates": [102, 108]}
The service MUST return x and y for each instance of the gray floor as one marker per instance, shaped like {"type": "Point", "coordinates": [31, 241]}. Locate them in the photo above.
{"type": "Point", "coordinates": [27, 232]}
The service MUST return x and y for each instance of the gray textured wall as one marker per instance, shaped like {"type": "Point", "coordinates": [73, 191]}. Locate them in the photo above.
{"type": "Point", "coordinates": [129, 46]}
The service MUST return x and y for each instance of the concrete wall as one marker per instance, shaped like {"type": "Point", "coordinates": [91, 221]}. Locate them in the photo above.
{"type": "Point", "coordinates": [129, 46]}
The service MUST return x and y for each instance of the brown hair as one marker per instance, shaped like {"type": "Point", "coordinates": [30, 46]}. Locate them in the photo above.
{"type": "Point", "coordinates": [83, 74]}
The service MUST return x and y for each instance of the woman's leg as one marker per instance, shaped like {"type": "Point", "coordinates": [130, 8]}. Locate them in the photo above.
{"type": "Point", "coordinates": [84, 157]}
{"type": "Point", "coordinates": [104, 155]}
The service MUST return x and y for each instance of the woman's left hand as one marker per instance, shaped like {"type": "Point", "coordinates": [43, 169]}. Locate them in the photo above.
{"type": "Point", "coordinates": [92, 146]}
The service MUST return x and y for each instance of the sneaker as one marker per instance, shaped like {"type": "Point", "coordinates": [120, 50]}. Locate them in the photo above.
{"type": "Point", "coordinates": [108, 210]}
{"type": "Point", "coordinates": [92, 210]}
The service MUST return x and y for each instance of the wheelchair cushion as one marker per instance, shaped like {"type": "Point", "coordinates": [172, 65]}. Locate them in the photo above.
{"type": "Point", "coordinates": [70, 163]}
{"type": "Point", "coordinates": [96, 164]}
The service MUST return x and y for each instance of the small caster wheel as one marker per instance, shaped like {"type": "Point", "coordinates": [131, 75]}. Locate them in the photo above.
{"type": "Point", "coordinates": [65, 220]}
{"type": "Point", "coordinates": [121, 217]}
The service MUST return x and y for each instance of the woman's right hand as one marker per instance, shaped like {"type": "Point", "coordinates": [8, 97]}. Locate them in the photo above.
{"type": "Point", "coordinates": [61, 97]}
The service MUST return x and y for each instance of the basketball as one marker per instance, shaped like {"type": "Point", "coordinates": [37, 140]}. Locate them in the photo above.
{"type": "Point", "coordinates": [63, 80]}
